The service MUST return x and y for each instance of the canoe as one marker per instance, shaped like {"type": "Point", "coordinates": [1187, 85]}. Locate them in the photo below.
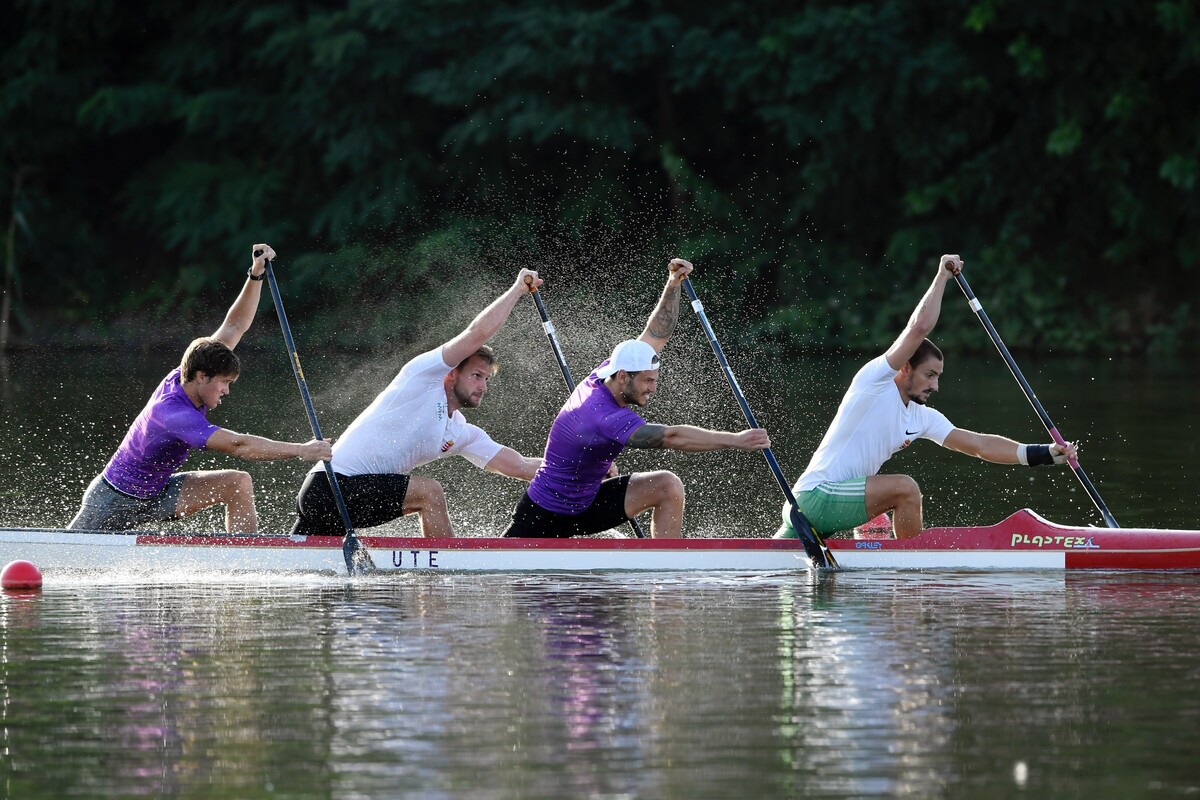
{"type": "Point", "coordinates": [52, 549]}
{"type": "Point", "coordinates": [1022, 541]}
{"type": "Point", "coordinates": [1025, 540]}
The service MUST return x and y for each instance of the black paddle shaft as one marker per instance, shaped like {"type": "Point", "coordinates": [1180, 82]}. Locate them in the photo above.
{"type": "Point", "coordinates": [813, 545]}
{"type": "Point", "coordinates": [562, 365]}
{"type": "Point", "coordinates": [358, 560]}
{"type": "Point", "coordinates": [977, 307]}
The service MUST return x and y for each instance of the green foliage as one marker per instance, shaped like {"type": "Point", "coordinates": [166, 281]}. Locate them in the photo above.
{"type": "Point", "coordinates": [812, 159]}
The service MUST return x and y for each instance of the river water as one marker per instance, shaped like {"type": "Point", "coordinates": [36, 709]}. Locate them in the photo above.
{"type": "Point", "coordinates": [923, 684]}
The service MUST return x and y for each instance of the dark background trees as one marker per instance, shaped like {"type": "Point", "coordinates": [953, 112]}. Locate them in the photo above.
{"type": "Point", "coordinates": [813, 159]}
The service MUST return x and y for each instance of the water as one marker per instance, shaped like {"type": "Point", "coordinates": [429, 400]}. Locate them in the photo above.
{"type": "Point", "coordinates": [944, 684]}
{"type": "Point", "coordinates": [952, 685]}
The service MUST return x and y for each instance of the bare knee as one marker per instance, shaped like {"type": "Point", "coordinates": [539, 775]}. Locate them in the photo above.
{"type": "Point", "coordinates": [907, 490]}
{"type": "Point", "coordinates": [241, 484]}
{"type": "Point", "coordinates": [889, 492]}
{"type": "Point", "coordinates": [672, 486]}
{"type": "Point", "coordinates": [663, 486]}
{"type": "Point", "coordinates": [651, 490]}
{"type": "Point", "coordinates": [424, 494]}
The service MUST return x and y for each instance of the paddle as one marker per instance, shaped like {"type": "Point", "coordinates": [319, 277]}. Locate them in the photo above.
{"type": "Point", "coordinates": [977, 307]}
{"type": "Point", "coordinates": [821, 556]}
{"type": "Point", "coordinates": [358, 560]}
{"type": "Point", "coordinates": [562, 363]}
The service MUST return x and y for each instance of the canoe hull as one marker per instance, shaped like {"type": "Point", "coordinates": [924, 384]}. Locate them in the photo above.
{"type": "Point", "coordinates": [51, 549]}
{"type": "Point", "coordinates": [1022, 541]}
{"type": "Point", "coordinates": [1026, 541]}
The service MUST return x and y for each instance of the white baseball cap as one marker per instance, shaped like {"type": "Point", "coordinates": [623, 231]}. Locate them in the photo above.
{"type": "Point", "coordinates": [631, 355]}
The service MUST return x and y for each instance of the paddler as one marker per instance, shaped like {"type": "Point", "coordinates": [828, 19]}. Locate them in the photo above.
{"type": "Point", "coordinates": [415, 420]}
{"type": "Point", "coordinates": [577, 490]}
{"type": "Point", "coordinates": [139, 486]}
{"type": "Point", "coordinates": [884, 411]}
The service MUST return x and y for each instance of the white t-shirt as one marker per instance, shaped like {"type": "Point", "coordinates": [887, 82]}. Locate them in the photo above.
{"type": "Point", "coordinates": [408, 425]}
{"type": "Point", "coordinates": [872, 424]}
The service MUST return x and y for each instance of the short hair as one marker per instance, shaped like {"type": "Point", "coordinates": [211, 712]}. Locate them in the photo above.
{"type": "Point", "coordinates": [487, 354]}
{"type": "Point", "coordinates": [210, 356]}
{"type": "Point", "coordinates": [925, 351]}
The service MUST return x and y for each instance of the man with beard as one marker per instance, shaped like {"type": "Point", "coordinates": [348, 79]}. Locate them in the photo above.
{"type": "Point", "coordinates": [577, 491]}
{"type": "Point", "coordinates": [415, 420]}
{"type": "Point", "coordinates": [883, 412]}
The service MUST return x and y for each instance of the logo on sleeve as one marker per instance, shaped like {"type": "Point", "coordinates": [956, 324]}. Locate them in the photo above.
{"type": "Point", "coordinates": [446, 445]}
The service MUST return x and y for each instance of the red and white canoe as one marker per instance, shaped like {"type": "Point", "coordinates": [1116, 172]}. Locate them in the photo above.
{"type": "Point", "coordinates": [61, 549]}
{"type": "Point", "coordinates": [1023, 541]}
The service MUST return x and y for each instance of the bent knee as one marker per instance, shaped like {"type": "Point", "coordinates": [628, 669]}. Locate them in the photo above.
{"type": "Point", "coordinates": [242, 482]}
{"type": "Point", "coordinates": [905, 489]}
{"type": "Point", "coordinates": [665, 485]}
{"type": "Point", "coordinates": [424, 493]}
{"type": "Point", "coordinates": [892, 490]}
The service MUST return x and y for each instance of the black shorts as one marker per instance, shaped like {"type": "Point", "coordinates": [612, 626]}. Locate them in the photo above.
{"type": "Point", "coordinates": [607, 511]}
{"type": "Point", "coordinates": [371, 500]}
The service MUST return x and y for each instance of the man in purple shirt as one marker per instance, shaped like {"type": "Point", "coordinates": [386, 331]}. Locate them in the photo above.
{"type": "Point", "coordinates": [576, 491]}
{"type": "Point", "coordinates": [140, 486]}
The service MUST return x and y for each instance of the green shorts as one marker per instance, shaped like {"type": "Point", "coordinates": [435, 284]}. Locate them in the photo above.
{"type": "Point", "coordinates": [830, 507]}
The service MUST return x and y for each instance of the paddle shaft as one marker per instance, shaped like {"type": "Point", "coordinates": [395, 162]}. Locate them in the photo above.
{"type": "Point", "coordinates": [812, 543]}
{"type": "Point", "coordinates": [977, 307]}
{"type": "Point", "coordinates": [357, 558]}
{"type": "Point", "coordinates": [562, 365]}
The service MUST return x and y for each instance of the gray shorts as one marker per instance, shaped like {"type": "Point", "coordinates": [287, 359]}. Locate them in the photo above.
{"type": "Point", "coordinates": [106, 509]}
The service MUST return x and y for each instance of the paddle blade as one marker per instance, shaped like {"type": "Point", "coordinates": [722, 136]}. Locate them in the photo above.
{"type": "Point", "coordinates": [813, 546]}
{"type": "Point", "coordinates": [358, 560]}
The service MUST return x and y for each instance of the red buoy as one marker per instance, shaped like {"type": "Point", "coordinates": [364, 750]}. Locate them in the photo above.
{"type": "Point", "coordinates": [21, 575]}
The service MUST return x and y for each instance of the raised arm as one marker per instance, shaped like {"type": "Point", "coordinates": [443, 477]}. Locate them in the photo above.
{"type": "Point", "coordinates": [1002, 450]}
{"type": "Point", "coordinates": [661, 323]}
{"type": "Point", "coordinates": [925, 315]}
{"type": "Point", "coordinates": [259, 448]}
{"type": "Point", "coordinates": [488, 322]}
{"type": "Point", "coordinates": [241, 314]}
{"type": "Point", "coordinates": [690, 439]}
{"type": "Point", "coordinates": [512, 464]}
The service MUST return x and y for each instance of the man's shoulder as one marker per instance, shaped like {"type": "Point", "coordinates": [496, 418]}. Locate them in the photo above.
{"type": "Point", "coordinates": [932, 416]}
{"type": "Point", "coordinates": [170, 397]}
{"type": "Point", "coordinates": [429, 361]}
{"type": "Point", "coordinates": [418, 375]}
{"type": "Point", "coordinates": [877, 369]}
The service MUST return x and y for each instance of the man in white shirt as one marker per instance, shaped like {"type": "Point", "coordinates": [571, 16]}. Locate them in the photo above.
{"type": "Point", "coordinates": [415, 420]}
{"type": "Point", "coordinates": [883, 412]}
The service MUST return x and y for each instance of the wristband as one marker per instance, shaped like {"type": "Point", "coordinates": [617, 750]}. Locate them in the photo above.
{"type": "Point", "coordinates": [1036, 455]}
{"type": "Point", "coordinates": [250, 274]}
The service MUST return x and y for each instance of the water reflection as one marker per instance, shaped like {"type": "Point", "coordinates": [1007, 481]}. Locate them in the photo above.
{"type": "Point", "coordinates": [154, 689]}
{"type": "Point", "coordinates": [960, 683]}
{"type": "Point", "coordinates": [853, 685]}
{"type": "Point", "coordinates": [590, 672]}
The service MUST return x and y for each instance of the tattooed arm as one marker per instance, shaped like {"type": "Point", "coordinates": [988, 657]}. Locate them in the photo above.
{"type": "Point", "coordinates": [662, 320]}
{"type": "Point", "coordinates": [690, 439]}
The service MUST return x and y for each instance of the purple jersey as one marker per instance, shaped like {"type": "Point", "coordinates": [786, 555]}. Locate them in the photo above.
{"type": "Point", "coordinates": [158, 440]}
{"type": "Point", "coordinates": [586, 436]}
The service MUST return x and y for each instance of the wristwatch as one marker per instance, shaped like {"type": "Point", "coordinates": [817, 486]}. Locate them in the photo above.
{"type": "Point", "coordinates": [250, 274]}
